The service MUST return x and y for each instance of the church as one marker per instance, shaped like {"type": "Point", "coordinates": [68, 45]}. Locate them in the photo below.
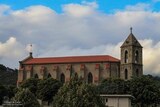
{"type": "Point", "coordinates": [91, 68]}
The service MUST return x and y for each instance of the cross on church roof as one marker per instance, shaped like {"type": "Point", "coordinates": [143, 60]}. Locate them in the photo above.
{"type": "Point", "coordinates": [131, 29]}
{"type": "Point", "coordinates": [30, 50]}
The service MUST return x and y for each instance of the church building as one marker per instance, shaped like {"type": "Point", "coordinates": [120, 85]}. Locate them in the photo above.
{"type": "Point", "coordinates": [91, 68]}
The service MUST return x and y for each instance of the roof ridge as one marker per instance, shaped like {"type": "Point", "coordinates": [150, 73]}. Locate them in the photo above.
{"type": "Point", "coordinates": [74, 56]}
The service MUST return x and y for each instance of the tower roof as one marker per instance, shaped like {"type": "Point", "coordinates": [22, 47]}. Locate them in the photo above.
{"type": "Point", "coordinates": [131, 41]}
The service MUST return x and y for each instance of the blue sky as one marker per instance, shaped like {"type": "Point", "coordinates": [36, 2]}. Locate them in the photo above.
{"type": "Point", "coordinates": [107, 6]}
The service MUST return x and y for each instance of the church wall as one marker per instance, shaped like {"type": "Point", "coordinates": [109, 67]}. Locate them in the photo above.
{"type": "Point", "coordinates": [99, 71]}
{"type": "Point", "coordinates": [105, 71]}
{"type": "Point", "coordinates": [77, 68]}
{"type": "Point", "coordinates": [91, 68]}
{"type": "Point", "coordinates": [37, 70]}
{"type": "Point", "coordinates": [20, 75]}
{"type": "Point", "coordinates": [115, 70]}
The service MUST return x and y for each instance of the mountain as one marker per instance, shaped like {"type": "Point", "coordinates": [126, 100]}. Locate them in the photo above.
{"type": "Point", "coordinates": [8, 76]}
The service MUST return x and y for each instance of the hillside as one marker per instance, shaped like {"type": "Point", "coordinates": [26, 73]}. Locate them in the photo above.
{"type": "Point", "coordinates": [8, 76]}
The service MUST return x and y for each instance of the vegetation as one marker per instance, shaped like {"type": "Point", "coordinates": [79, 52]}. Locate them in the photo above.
{"type": "Point", "coordinates": [3, 93]}
{"type": "Point", "coordinates": [76, 93]}
{"type": "Point", "coordinates": [114, 86]}
{"type": "Point", "coordinates": [31, 84]}
{"type": "Point", "coordinates": [145, 90]}
{"type": "Point", "coordinates": [47, 88]}
{"type": "Point", "coordinates": [11, 90]}
{"type": "Point", "coordinates": [26, 98]}
{"type": "Point", "coordinates": [8, 76]}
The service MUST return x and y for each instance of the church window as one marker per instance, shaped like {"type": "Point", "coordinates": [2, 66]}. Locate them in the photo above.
{"type": "Point", "coordinates": [126, 57]}
{"type": "Point", "coordinates": [137, 72]}
{"type": "Point", "coordinates": [126, 74]}
{"type": "Point", "coordinates": [90, 78]}
{"type": "Point", "coordinates": [62, 78]}
{"type": "Point", "coordinates": [49, 75]}
{"type": "Point", "coordinates": [36, 76]}
{"type": "Point", "coordinates": [76, 75]}
{"type": "Point", "coordinates": [136, 57]}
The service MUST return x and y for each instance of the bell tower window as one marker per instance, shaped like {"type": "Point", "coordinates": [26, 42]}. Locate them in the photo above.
{"type": "Point", "coordinates": [137, 72]}
{"type": "Point", "coordinates": [126, 74]}
{"type": "Point", "coordinates": [126, 57]}
{"type": "Point", "coordinates": [136, 57]}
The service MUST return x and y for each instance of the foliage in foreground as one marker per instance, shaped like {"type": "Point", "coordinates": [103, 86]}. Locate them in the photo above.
{"type": "Point", "coordinates": [3, 93]}
{"type": "Point", "coordinates": [113, 86]}
{"type": "Point", "coordinates": [47, 88]}
{"type": "Point", "coordinates": [26, 98]}
{"type": "Point", "coordinates": [145, 90]}
{"type": "Point", "coordinates": [31, 84]}
{"type": "Point", "coordinates": [76, 93]}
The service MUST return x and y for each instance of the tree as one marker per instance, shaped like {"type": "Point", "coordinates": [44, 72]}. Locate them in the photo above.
{"type": "Point", "coordinates": [113, 86]}
{"type": "Point", "coordinates": [3, 92]}
{"type": "Point", "coordinates": [145, 91]}
{"type": "Point", "coordinates": [26, 98]}
{"type": "Point", "coordinates": [11, 90]}
{"type": "Point", "coordinates": [31, 84]}
{"type": "Point", "coordinates": [47, 88]}
{"type": "Point", "coordinates": [8, 76]}
{"type": "Point", "coordinates": [76, 93]}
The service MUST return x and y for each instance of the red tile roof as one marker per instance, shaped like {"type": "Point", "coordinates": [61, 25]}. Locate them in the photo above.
{"type": "Point", "coordinates": [71, 59]}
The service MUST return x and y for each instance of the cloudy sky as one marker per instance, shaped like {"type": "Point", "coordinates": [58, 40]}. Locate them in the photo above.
{"type": "Point", "coordinates": [77, 27]}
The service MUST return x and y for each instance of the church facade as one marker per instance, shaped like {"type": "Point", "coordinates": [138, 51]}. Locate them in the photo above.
{"type": "Point", "coordinates": [92, 69]}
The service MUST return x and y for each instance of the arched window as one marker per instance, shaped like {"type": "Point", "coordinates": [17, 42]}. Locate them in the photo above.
{"type": "Point", "coordinates": [136, 57]}
{"type": "Point", "coordinates": [36, 76]}
{"type": "Point", "coordinates": [90, 78]}
{"type": "Point", "coordinates": [137, 72]}
{"type": "Point", "coordinates": [126, 74]}
{"type": "Point", "coordinates": [49, 75]}
{"type": "Point", "coordinates": [126, 57]}
{"type": "Point", "coordinates": [62, 78]}
{"type": "Point", "coordinates": [76, 75]}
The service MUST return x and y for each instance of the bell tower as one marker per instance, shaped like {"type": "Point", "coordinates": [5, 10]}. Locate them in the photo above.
{"type": "Point", "coordinates": [131, 58]}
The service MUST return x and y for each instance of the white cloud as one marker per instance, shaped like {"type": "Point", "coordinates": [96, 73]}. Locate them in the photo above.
{"type": "Point", "coordinates": [11, 51]}
{"type": "Point", "coordinates": [4, 8]}
{"type": "Point", "coordinates": [151, 53]}
{"type": "Point", "coordinates": [10, 46]}
{"type": "Point", "coordinates": [138, 7]}
{"type": "Point", "coordinates": [78, 10]}
{"type": "Point", "coordinates": [80, 30]}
